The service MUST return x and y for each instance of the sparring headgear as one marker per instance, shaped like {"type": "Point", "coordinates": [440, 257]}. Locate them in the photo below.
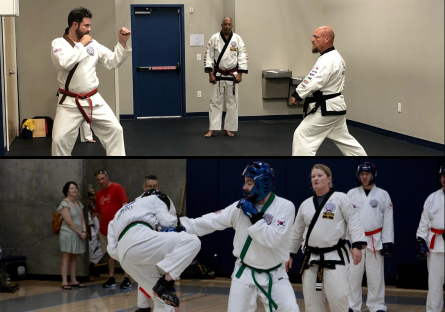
{"type": "Point", "coordinates": [442, 169]}
{"type": "Point", "coordinates": [160, 195]}
{"type": "Point", "coordinates": [263, 176]}
{"type": "Point", "coordinates": [367, 167]}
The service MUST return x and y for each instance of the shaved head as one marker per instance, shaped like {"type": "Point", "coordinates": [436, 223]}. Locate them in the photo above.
{"type": "Point", "coordinates": [226, 26]}
{"type": "Point", "coordinates": [322, 39]}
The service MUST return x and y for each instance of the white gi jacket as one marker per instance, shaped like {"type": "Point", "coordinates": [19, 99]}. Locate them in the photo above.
{"type": "Point", "coordinates": [328, 76]}
{"type": "Point", "coordinates": [433, 217]}
{"type": "Point", "coordinates": [150, 210]}
{"type": "Point", "coordinates": [327, 232]}
{"type": "Point", "coordinates": [235, 53]}
{"type": "Point", "coordinates": [65, 57]}
{"type": "Point", "coordinates": [270, 236]}
{"type": "Point", "coordinates": [375, 211]}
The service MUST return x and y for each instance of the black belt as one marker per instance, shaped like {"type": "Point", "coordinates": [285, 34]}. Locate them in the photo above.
{"type": "Point", "coordinates": [131, 225]}
{"type": "Point", "coordinates": [320, 101]}
{"type": "Point", "coordinates": [226, 72]}
{"type": "Point", "coordinates": [322, 263]}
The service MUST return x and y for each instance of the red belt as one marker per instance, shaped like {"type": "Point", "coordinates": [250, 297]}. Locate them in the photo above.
{"type": "Point", "coordinates": [435, 231]}
{"type": "Point", "coordinates": [226, 72]}
{"type": "Point", "coordinates": [372, 233]}
{"type": "Point", "coordinates": [82, 96]}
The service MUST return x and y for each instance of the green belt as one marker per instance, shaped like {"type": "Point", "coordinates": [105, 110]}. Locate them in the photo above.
{"type": "Point", "coordinates": [130, 226]}
{"type": "Point", "coordinates": [243, 266]}
{"type": "Point", "coordinates": [268, 294]}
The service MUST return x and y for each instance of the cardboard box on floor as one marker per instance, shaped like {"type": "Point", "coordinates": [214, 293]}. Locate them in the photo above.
{"type": "Point", "coordinates": [40, 129]}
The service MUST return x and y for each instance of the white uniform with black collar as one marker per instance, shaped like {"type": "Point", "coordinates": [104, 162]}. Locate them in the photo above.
{"type": "Point", "coordinates": [337, 215]}
{"type": "Point", "coordinates": [327, 76]}
{"type": "Point", "coordinates": [146, 254]}
{"type": "Point", "coordinates": [234, 55]}
{"type": "Point", "coordinates": [68, 117]}
{"type": "Point", "coordinates": [433, 218]}
{"type": "Point", "coordinates": [269, 248]}
{"type": "Point", "coordinates": [375, 212]}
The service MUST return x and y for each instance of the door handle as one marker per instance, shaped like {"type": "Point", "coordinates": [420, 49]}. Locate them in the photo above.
{"type": "Point", "coordinates": [178, 68]}
{"type": "Point", "coordinates": [11, 73]}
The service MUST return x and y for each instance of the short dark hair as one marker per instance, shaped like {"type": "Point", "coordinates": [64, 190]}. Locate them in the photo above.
{"type": "Point", "coordinates": [151, 177]}
{"type": "Point", "coordinates": [101, 171]}
{"type": "Point", "coordinates": [77, 15]}
{"type": "Point", "coordinates": [67, 186]}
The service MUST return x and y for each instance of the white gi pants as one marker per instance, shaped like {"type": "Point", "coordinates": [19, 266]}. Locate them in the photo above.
{"type": "Point", "coordinates": [376, 282]}
{"type": "Point", "coordinates": [315, 128]}
{"type": "Point", "coordinates": [143, 301]}
{"type": "Point", "coordinates": [335, 289]}
{"type": "Point", "coordinates": [243, 297]}
{"type": "Point", "coordinates": [434, 301]}
{"type": "Point", "coordinates": [168, 252]}
{"type": "Point", "coordinates": [85, 132]}
{"type": "Point", "coordinates": [105, 125]}
{"type": "Point", "coordinates": [221, 88]}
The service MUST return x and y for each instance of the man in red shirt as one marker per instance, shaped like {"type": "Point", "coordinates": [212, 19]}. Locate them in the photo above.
{"type": "Point", "coordinates": [109, 199]}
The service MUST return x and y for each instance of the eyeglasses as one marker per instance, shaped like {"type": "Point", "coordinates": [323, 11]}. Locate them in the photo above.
{"type": "Point", "coordinates": [100, 172]}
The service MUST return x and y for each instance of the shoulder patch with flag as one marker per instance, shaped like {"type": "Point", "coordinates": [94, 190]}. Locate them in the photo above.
{"type": "Point", "coordinates": [57, 50]}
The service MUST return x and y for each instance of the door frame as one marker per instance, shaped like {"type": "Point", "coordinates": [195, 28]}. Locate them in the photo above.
{"type": "Point", "coordinates": [182, 56]}
{"type": "Point", "coordinates": [3, 122]}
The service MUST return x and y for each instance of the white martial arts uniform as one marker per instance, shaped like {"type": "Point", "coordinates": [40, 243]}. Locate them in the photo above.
{"type": "Point", "coordinates": [337, 214]}
{"type": "Point", "coordinates": [268, 248]}
{"type": "Point", "coordinates": [68, 117]}
{"type": "Point", "coordinates": [327, 76]}
{"type": "Point", "coordinates": [235, 55]}
{"type": "Point", "coordinates": [96, 252]}
{"type": "Point", "coordinates": [143, 300]}
{"type": "Point", "coordinates": [375, 212]}
{"type": "Point", "coordinates": [146, 254]}
{"type": "Point", "coordinates": [85, 132]}
{"type": "Point", "coordinates": [433, 218]}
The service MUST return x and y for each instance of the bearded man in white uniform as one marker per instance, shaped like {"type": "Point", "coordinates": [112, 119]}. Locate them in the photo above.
{"type": "Point", "coordinates": [75, 56]}
{"type": "Point", "coordinates": [320, 226]}
{"type": "Point", "coordinates": [154, 259]}
{"type": "Point", "coordinates": [431, 230]}
{"type": "Point", "coordinates": [321, 90]}
{"type": "Point", "coordinates": [225, 60]}
{"type": "Point", "coordinates": [375, 211]}
{"type": "Point", "coordinates": [262, 223]}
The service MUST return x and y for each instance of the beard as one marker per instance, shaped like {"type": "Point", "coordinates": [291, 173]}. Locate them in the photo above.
{"type": "Point", "coordinates": [80, 34]}
{"type": "Point", "coordinates": [315, 50]}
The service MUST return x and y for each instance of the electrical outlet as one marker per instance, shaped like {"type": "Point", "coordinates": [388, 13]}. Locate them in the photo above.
{"type": "Point", "coordinates": [191, 10]}
{"type": "Point", "coordinates": [399, 107]}
{"type": "Point", "coordinates": [199, 93]}
{"type": "Point", "coordinates": [198, 57]}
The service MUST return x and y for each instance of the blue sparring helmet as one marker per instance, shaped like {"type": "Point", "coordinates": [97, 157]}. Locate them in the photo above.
{"type": "Point", "coordinates": [441, 170]}
{"type": "Point", "coordinates": [367, 167]}
{"type": "Point", "coordinates": [263, 176]}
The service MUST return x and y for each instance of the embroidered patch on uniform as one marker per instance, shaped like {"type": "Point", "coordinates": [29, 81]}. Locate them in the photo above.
{"type": "Point", "coordinates": [218, 211]}
{"type": "Point", "coordinates": [390, 206]}
{"type": "Point", "coordinates": [268, 218]}
{"type": "Point", "coordinates": [314, 71]}
{"type": "Point", "coordinates": [305, 81]}
{"type": "Point", "coordinates": [280, 223]}
{"type": "Point", "coordinates": [57, 50]}
{"type": "Point", "coordinates": [316, 67]}
{"type": "Point", "coordinates": [329, 207]}
{"type": "Point", "coordinates": [311, 74]}
{"type": "Point", "coordinates": [354, 206]}
{"type": "Point", "coordinates": [233, 43]}
{"type": "Point", "coordinates": [232, 49]}
{"type": "Point", "coordinates": [90, 50]}
{"type": "Point", "coordinates": [374, 203]}
{"type": "Point", "coordinates": [328, 215]}
{"type": "Point", "coordinates": [310, 78]}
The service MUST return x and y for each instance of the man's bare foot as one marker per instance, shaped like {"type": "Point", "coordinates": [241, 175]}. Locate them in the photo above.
{"type": "Point", "coordinates": [91, 141]}
{"type": "Point", "coordinates": [228, 133]}
{"type": "Point", "coordinates": [209, 134]}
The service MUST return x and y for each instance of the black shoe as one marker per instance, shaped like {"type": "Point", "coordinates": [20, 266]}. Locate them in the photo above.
{"type": "Point", "coordinates": [350, 310]}
{"type": "Point", "coordinates": [110, 283]}
{"type": "Point", "coordinates": [143, 310]}
{"type": "Point", "coordinates": [125, 283]}
{"type": "Point", "coordinates": [381, 311]}
{"type": "Point", "coordinates": [166, 291]}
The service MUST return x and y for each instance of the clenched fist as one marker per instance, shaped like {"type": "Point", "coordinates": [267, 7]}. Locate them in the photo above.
{"type": "Point", "coordinates": [124, 34]}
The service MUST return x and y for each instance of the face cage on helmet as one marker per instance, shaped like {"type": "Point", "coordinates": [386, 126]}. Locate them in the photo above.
{"type": "Point", "coordinates": [256, 194]}
{"type": "Point", "coordinates": [373, 177]}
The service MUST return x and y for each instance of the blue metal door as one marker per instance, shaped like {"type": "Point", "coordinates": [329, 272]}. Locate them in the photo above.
{"type": "Point", "coordinates": [158, 74]}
